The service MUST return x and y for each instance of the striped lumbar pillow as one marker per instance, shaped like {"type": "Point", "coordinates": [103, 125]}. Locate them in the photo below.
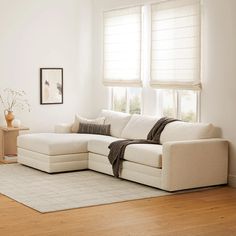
{"type": "Point", "coordinates": [80, 119]}
{"type": "Point", "coordinates": [86, 128]}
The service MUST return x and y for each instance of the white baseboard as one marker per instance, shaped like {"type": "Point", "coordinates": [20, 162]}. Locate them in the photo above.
{"type": "Point", "coordinates": [232, 181]}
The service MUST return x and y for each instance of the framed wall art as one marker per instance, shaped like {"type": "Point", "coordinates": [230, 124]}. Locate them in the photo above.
{"type": "Point", "coordinates": [51, 86]}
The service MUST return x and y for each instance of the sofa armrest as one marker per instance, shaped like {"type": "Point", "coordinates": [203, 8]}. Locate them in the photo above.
{"type": "Point", "coordinates": [195, 163]}
{"type": "Point", "coordinates": [63, 128]}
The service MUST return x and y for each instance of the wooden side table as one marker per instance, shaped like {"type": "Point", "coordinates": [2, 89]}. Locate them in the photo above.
{"type": "Point", "coordinates": [8, 143]}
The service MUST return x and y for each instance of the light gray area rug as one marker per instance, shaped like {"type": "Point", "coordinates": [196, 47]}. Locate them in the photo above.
{"type": "Point", "coordinates": [54, 192]}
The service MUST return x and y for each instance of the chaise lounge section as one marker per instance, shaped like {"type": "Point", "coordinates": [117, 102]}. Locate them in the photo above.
{"type": "Point", "coordinates": [191, 155]}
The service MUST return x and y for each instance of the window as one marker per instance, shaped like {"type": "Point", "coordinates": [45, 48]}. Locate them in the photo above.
{"type": "Point", "coordinates": [175, 60]}
{"type": "Point", "coordinates": [188, 105]}
{"type": "Point", "coordinates": [181, 104]}
{"type": "Point", "coordinates": [119, 99]}
{"type": "Point", "coordinates": [122, 47]}
{"type": "Point", "coordinates": [156, 46]}
{"type": "Point", "coordinates": [127, 100]}
{"type": "Point", "coordinates": [167, 103]}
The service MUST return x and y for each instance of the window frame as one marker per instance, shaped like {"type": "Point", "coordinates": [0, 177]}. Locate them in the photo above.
{"type": "Point", "coordinates": [177, 104]}
{"type": "Point", "coordinates": [146, 67]}
{"type": "Point", "coordinates": [127, 98]}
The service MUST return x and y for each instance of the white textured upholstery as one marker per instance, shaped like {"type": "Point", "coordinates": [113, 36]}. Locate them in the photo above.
{"type": "Point", "coordinates": [63, 128]}
{"type": "Point", "coordinates": [138, 127]}
{"type": "Point", "coordinates": [146, 154]}
{"type": "Point", "coordinates": [126, 164]}
{"type": "Point", "coordinates": [100, 146]}
{"type": "Point", "coordinates": [56, 144]}
{"type": "Point", "coordinates": [99, 163]}
{"type": "Point", "coordinates": [141, 174]}
{"type": "Point", "coordinates": [53, 159]}
{"type": "Point", "coordinates": [131, 171]}
{"type": "Point", "coordinates": [192, 164]}
{"type": "Point", "coordinates": [117, 120]}
{"type": "Point", "coordinates": [52, 164]}
{"type": "Point", "coordinates": [179, 131]}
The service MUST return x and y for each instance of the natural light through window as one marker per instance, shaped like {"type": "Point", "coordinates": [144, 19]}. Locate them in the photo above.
{"type": "Point", "coordinates": [119, 99]}
{"type": "Point", "coordinates": [167, 101]}
{"type": "Point", "coordinates": [188, 105]}
{"type": "Point", "coordinates": [127, 100]}
{"type": "Point", "coordinates": [181, 104]}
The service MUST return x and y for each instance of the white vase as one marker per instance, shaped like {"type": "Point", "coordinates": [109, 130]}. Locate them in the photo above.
{"type": "Point", "coordinates": [16, 123]}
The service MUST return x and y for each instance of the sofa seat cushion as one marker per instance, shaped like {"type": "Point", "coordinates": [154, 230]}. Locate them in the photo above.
{"type": "Point", "coordinates": [53, 144]}
{"type": "Point", "coordinates": [146, 154]}
{"type": "Point", "coordinates": [100, 145]}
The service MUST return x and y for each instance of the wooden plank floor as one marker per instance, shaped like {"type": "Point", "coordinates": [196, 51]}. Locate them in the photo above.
{"type": "Point", "coordinates": [209, 212]}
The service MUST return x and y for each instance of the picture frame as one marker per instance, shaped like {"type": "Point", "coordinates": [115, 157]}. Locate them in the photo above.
{"type": "Point", "coordinates": [51, 86]}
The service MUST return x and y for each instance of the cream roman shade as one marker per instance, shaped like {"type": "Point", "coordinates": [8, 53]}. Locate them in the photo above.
{"type": "Point", "coordinates": [175, 40]}
{"type": "Point", "coordinates": [122, 47]}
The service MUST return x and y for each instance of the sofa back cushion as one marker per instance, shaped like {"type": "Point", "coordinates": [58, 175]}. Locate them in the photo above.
{"type": "Point", "coordinates": [117, 120]}
{"type": "Point", "coordinates": [139, 126]}
{"type": "Point", "coordinates": [180, 131]}
{"type": "Point", "coordinates": [79, 119]}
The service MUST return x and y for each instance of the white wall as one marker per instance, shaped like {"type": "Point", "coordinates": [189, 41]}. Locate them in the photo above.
{"type": "Point", "coordinates": [219, 71]}
{"type": "Point", "coordinates": [219, 67]}
{"type": "Point", "coordinates": [46, 33]}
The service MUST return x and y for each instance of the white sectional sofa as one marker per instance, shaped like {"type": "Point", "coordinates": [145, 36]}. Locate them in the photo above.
{"type": "Point", "coordinates": [191, 155]}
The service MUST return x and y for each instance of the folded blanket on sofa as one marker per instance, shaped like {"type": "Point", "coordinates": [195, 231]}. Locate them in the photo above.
{"type": "Point", "coordinates": [117, 148]}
